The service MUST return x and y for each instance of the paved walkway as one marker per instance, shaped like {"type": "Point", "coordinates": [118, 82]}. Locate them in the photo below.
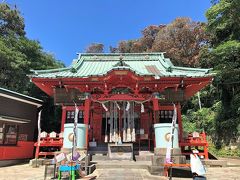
{"type": "Point", "coordinates": [228, 173]}
{"type": "Point", "coordinates": [125, 174]}
{"type": "Point", "coordinates": [25, 172]}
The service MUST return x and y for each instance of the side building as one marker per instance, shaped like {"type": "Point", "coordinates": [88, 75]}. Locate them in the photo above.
{"type": "Point", "coordinates": [18, 122]}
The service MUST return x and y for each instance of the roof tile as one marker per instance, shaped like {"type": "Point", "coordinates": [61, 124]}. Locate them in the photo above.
{"type": "Point", "coordinates": [99, 64]}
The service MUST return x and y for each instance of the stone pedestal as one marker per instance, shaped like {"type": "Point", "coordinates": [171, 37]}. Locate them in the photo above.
{"type": "Point", "coordinates": [162, 151]}
{"type": "Point", "coordinates": [160, 160]}
{"type": "Point", "coordinates": [120, 152]}
{"type": "Point", "coordinates": [159, 157]}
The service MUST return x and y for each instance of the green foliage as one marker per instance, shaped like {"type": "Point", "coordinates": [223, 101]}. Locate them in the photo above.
{"type": "Point", "coordinates": [224, 151]}
{"type": "Point", "coordinates": [223, 54]}
{"type": "Point", "coordinates": [224, 21]}
{"type": "Point", "coordinates": [18, 55]}
{"type": "Point", "coordinates": [11, 22]}
{"type": "Point", "coordinates": [201, 120]}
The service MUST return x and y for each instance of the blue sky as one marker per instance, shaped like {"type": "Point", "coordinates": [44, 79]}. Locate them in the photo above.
{"type": "Point", "coordinates": [67, 27]}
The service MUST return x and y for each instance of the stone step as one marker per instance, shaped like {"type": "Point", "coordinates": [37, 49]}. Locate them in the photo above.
{"type": "Point", "coordinates": [214, 163]}
{"type": "Point", "coordinates": [122, 164]}
{"type": "Point", "coordinates": [143, 158]}
{"type": "Point", "coordinates": [100, 157]}
{"type": "Point", "coordinates": [182, 172]}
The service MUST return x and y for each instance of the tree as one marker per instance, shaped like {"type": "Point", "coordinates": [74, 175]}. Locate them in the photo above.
{"type": "Point", "coordinates": [18, 55]}
{"type": "Point", "coordinates": [224, 21]}
{"type": "Point", "coordinates": [11, 22]}
{"type": "Point", "coordinates": [182, 41]}
{"type": "Point", "coordinates": [130, 46]}
{"type": "Point", "coordinates": [223, 54]}
{"type": "Point", "coordinates": [149, 35]}
{"type": "Point", "coordinates": [95, 48]}
{"type": "Point", "coordinates": [113, 49]}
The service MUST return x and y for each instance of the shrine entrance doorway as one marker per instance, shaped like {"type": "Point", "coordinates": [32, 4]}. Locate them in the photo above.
{"type": "Point", "coordinates": [121, 122]}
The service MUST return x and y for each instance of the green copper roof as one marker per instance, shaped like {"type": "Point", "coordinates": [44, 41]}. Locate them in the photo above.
{"type": "Point", "coordinates": [153, 64]}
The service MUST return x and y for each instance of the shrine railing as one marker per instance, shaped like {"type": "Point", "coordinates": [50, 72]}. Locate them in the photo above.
{"type": "Point", "coordinates": [195, 140]}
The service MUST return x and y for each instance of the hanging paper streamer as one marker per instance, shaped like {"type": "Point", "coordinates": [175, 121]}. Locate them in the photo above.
{"type": "Point", "coordinates": [170, 143]}
{"type": "Point", "coordinates": [128, 106]}
{"type": "Point", "coordinates": [104, 107]}
{"type": "Point", "coordinates": [118, 106]}
{"type": "Point", "coordinates": [142, 108]}
{"type": "Point", "coordinates": [124, 135]}
{"type": "Point", "coordinates": [119, 138]}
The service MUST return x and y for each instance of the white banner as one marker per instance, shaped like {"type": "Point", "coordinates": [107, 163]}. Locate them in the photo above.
{"type": "Point", "coordinates": [170, 142]}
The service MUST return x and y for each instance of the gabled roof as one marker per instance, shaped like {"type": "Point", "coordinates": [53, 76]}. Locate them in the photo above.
{"type": "Point", "coordinates": [145, 64]}
{"type": "Point", "coordinates": [20, 97]}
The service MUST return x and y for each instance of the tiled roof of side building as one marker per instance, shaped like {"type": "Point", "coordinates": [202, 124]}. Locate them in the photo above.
{"type": "Point", "coordinates": [20, 97]}
{"type": "Point", "coordinates": [92, 64]}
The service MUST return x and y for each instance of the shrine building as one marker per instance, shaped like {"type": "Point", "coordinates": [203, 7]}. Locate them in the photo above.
{"type": "Point", "coordinates": [121, 96]}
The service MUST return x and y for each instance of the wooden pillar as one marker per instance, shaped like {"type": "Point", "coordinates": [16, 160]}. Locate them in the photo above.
{"type": "Point", "coordinates": [179, 117]}
{"type": "Point", "coordinates": [86, 117]}
{"type": "Point", "coordinates": [64, 111]}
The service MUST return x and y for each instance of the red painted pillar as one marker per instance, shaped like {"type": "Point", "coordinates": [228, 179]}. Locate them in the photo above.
{"type": "Point", "coordinates": [179, 116]}
{"type": "Point", "coordinates": [155, 109]}
{"type": "Point", "coordinates": [64, 112]}
{"type": "Point", "coordinates": [155, 104]}
{"type": "Point", "coordinates": [37, 151]}
{"type": "Point", "coordinates": [86, 117]}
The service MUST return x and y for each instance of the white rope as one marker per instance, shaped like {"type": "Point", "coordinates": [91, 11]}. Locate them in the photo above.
{"type": "Point", "coordinates": [138, 102]}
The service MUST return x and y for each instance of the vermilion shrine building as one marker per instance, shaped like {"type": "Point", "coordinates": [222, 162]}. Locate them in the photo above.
{"type": "Point", "coordinates": [104, 85]}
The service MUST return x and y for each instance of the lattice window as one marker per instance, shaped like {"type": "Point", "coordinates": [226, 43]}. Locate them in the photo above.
{"type": "Point", "coordinates": [71, 114]}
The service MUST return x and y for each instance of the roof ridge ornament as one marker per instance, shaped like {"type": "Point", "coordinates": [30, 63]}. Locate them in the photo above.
{"type": "Point", "coordinates": [147, 57]}
{"type": "Point", "coordinates": [121, 59]}
{"type": "Point", "coordinates": [162, 55]}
